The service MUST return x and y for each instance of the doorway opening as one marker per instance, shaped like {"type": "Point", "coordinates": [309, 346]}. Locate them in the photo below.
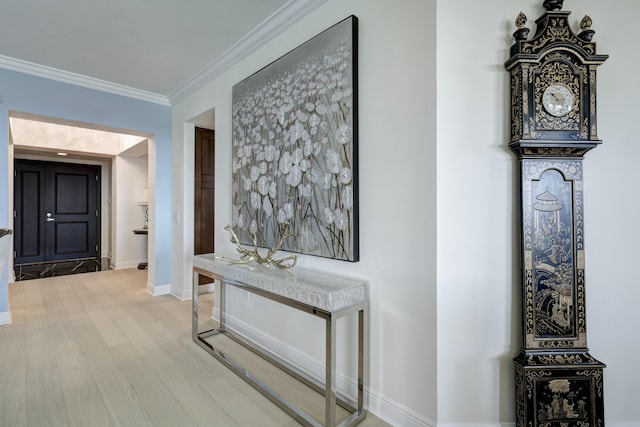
{"type": "Point", "coordinates": [204, 195]}
{"type": "Point", "coordinates": [61, 154]}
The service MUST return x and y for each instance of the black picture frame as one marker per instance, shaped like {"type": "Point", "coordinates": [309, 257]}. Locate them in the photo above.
{"type": "Point", "coordinates": [295, 148]}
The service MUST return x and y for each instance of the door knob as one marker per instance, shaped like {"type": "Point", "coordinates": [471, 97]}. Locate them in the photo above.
{"type": "Point", "coordinates": [49, 219]}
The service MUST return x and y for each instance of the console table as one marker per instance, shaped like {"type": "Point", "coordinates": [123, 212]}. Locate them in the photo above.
{"type": "Point", "coordinates": [323, 295]}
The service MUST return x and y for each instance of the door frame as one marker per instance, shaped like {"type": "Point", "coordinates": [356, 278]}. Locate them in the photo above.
{"type": "Point", "coordinates": [45, 184]}
{"type": "Point", "coordinates": [105, 191]}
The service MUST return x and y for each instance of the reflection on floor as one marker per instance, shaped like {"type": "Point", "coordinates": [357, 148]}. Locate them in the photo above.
{"type": "Point", "coordinates": [59, 268]}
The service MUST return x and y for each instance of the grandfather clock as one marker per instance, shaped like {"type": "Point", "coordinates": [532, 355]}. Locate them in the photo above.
{"type": "Point", "coordinates": [553, 125]}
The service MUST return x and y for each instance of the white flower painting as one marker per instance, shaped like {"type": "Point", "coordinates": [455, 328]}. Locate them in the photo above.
{"type": "Point", "coordinates": [295, 148]}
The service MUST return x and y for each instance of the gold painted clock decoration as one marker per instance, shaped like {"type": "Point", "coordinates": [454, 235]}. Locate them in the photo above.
{"type": "Point", "coordinates": [553, 125]}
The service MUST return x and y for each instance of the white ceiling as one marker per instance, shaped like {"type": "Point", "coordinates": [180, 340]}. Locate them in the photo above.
{"type": "Point", "coordinates": [159, 47]}
{"type": "Point", "coordinates": [32, 136]}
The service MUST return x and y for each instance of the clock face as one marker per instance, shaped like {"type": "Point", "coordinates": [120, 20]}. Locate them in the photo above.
{"type": "Point", "coordinates": [557, 99]}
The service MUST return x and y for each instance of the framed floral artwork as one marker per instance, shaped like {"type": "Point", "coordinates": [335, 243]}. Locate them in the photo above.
{"type": "Point", "coordinates": [295, 148]}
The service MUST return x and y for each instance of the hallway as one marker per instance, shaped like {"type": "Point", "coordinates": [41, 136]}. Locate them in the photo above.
{"type": "Point", "coordinates": [96, 349]}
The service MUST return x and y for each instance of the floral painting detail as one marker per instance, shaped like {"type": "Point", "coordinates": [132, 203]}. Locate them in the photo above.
{"type": "Point", "coordinates": [294, 135]}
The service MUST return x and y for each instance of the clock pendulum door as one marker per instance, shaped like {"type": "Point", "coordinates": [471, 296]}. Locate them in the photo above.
{"type": "Point", "coordinates": [557, 380]}
{"type": "Point", "coordinates": [553, 125]}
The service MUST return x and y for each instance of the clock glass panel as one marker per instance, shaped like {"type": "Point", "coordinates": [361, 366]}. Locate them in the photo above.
{"type": "Point", "coordinates": [557, 99]}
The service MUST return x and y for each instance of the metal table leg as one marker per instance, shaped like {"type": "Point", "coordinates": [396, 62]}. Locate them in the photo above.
{"type": "Point", "coordinates": [223, 304]}
{"type": "Point", "coordinates": [194, 306]}
{"type": "Point", "coordinates": [331, 389]}
{"type": "Point", "coordinates": [362, 368]}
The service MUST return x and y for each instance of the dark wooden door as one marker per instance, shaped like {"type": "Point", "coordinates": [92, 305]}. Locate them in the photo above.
{"type": "Point", "coordinates": [57, 211]}
{"type": "Point", "coordinates": [204, 193]}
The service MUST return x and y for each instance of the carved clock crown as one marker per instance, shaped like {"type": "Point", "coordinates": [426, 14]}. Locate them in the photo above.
{"type": "Point", "coordinates": [553, 85]}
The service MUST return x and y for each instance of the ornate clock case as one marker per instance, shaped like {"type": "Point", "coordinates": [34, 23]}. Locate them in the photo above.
{"type": "Point", "coordinates": [553, 125]}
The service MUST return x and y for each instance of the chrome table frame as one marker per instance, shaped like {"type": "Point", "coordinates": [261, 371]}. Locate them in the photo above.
{"type": "Point", "coordinates": [329, 388]}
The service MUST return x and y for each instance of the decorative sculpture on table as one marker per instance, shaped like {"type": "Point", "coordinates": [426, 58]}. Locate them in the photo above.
{"type": "Point", "coordinates": [246, 255]}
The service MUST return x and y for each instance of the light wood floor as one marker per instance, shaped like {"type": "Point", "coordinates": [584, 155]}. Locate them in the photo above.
{"type": "Point", "coordinates": [96, 349]}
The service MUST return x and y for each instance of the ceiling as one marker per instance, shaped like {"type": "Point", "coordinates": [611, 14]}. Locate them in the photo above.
{"type": "Point", "coordinates": [32, 136]}
{"type": "Point", "coordinates": [155, 48]}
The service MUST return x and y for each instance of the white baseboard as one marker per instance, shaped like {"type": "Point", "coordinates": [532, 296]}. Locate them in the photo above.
{"type": "Point", "coordinates": [183, 294]}
{"type": "Point", "coordinates": [476, 424]}
{"type": "Point", "coordinates": [379, 405]}
{"type": "Point", "coordinates": [187, 294]}
{"type": "Point", "coordinates": [157, 290]}
{"type": "Point", "coordinates": [206, 289]}
{"type": "Point", "coordinates": [513, 424]}
{"type": "Point", "coordinates": [396, 413]}
{"type": "Point", "coordinates": [5, 318]}
{"type": "Point", "coordinates": [125, 264]}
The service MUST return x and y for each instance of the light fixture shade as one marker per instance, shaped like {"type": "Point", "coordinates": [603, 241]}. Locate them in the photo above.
{"type": "Point", "coordinates": [144, 198]}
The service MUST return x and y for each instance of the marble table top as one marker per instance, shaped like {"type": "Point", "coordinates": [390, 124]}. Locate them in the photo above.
{"type": "Point", "coordinates": [325, 291]}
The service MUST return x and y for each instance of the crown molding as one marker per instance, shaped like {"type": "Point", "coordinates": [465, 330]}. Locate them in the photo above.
{"type": "Point", "coordinates": [277, 23]}
{"type": "Point", "coordinates": [79, 80]}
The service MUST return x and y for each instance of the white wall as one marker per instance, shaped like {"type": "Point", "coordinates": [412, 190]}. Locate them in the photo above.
{"type": "Point", "coordinates": [478, 263]}
{"type": "Point", "coordinates": [129, 180]}
{"type": "Point", "coordinates": [397, 196]}
{"type": "Point", "coordinates": [611, 211]}
{"type": "Point", "coordinates": [476, 330]}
